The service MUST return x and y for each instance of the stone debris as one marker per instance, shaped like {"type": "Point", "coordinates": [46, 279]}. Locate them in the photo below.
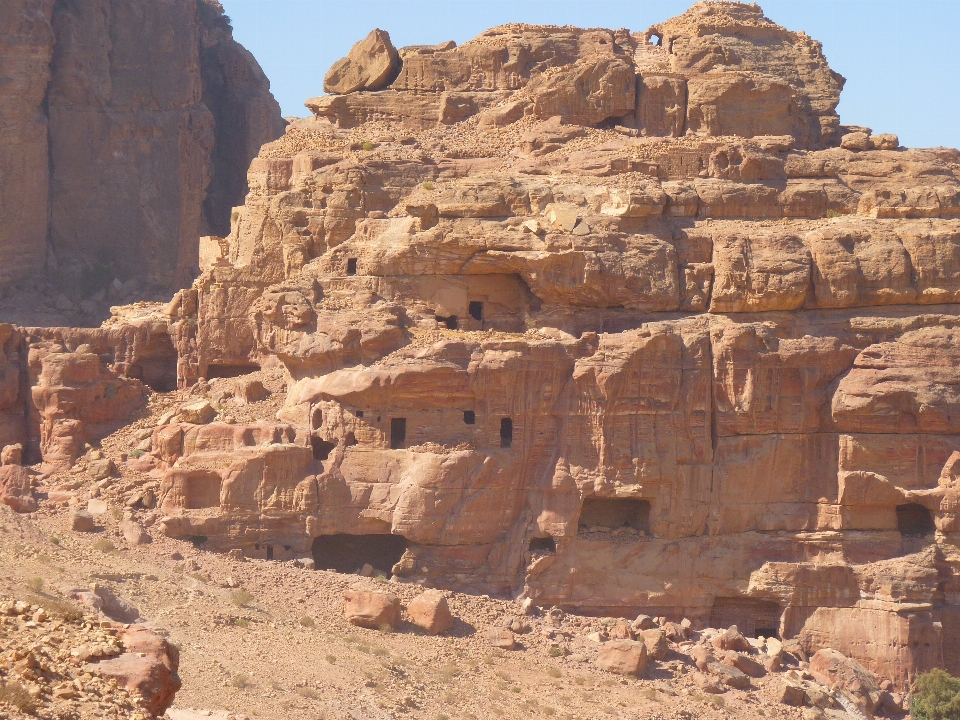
{"type": "Point", "coordinates": [64, 663]}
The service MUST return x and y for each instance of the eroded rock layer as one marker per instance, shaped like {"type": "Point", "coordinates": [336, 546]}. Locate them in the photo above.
{"type": "Point", "coordinates": [620, 321]}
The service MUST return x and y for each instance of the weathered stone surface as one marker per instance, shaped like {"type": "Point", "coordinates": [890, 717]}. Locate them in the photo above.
{"type": "Point", "coordinates": [371, 609]}
{"type": "Point", "coordinates": [16, 488]}
{"type": "Point", "coordinates": [624, 657]}
{"type": "Point", "coordinates": [834, 667]}
{"type": "Point", "coordinates": [430, 611]}
{"type": "Point", "coordinates": [371, 64]}
{"type": "Point", "coordinates": [82, 521]}
{"type": "Point", "coordinates": [148, 667]}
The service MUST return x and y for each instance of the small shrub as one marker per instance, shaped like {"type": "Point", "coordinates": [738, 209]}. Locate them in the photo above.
{"type": "Point", "coordinates": [241, 623]}
{"type": "Point", "coordinates": [429, 185]}
{"type": "Point", "coordinates": [308, 692]}
{"type": "Point", "coordinates": [386, 628]}
{"type": "Point", "coordinates": [240, 681]}
{"type": "Point", "coordinates": [441, 716]}
{"type": "Point", "coordinates": [66, 611]}
{"type": "Point", "coordinates": [515, 689]}
{"type": "Point", "coordinates": [55, 539]}
{"type": "Point", "coordinates": [36, 584]}
{"type": "Point", "coordinates": [136, 454]}
{"type": "Point", "coordinates": [307, 621]}
{"type": "Point", "coordinates": [241, 597]}
{"type": "Point", "coordinates": [556, 652]}
{"type": "Point", "coordinates": [650, 693]}
{"type": "Point", "coordinates": [554, 672]}
{"type": "Point", "coordinates": [936, 696]}
{"type": "Point", "coordinates": [833, 214]}
{"type": "Point", "coordinates": [332, 659]}
{"type": "Point", "coordinates": [367, 146]}
{"type": "Point", "coordinates": [13, 693]}
{"type": "Point", "coordinates": [105, 546]}
{"type": "Point", "coordinates": [449, 672]}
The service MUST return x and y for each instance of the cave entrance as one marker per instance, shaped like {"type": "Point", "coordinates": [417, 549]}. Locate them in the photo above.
{"type": "Point", "coordinates": [321, 448]}
{"type": "Point", "coordinates": [398, 433]}
{"type": "Point", "coordinates": [506, 433]}
{"type": "Point", "coordinates": [476, 310]}
{"type": "Point", "coordinates": [450, 322]}
{"type": "Point", "coordinates": [543, 546]}
{"type": "Point", "coordinates": [616, 513]}
{"type": "Point", "coordinates": [351, 266]}
{"type": "Point", "coordinates": [230, 371]}
{"type": "Point", "coordinates": [752, 617]}
{"type": "Point", "coordinates": [914, 520]}
{"type": "Point", "coordinates": [159, 374]}
{"type": "Point", "coordinates": [349, 553]}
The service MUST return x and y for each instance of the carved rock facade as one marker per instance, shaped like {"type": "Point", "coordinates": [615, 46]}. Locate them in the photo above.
{"type": "Point", "coordinates": [612, 323]}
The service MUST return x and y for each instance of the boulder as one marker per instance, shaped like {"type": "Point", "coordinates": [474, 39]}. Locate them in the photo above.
{"type": "Point", "coordinates": [729, 675]}
{"type": "Point", "coordinates": [197, 412]}
{"type": "Point", "coordinates": [16, 488]}
{"type": "Point", "coordinates": [732, 639]}
{"type": "Point", "coordinates": [371, 609]}
{"type": "Point", "coordinates": [430, 611]}
{"type": "Point", "coordinates": [248, 391]}
{"type": "Point", "coordinates": [502, 638]}
{"type": "Point", "coordinates": [744, 663]}
{"type": "Point", "coordinates": [622, 631]}
{"type": "Point", "coordinates": [856, 141]}
{"type": "Point", "coordinates": [702, 657]}
{"type": "Point", "coordinates": [81, 521]}
{"type": "Point", "coordinates": [134, 533]}
{"type": "Point", "coordinates": [831, 667]}
{"type": "Point", "coordinates": [147, 668]}
{"type": "Point", "coordinates": [789, 692]}
{"type": "Point", "coordinates": [624, 657]}
{"type": "Point", "coordinates": [371, 64]}
{"type": "Point", "coordinates": [656, 642]}
{"type": "Point", "coordinates": [708, 684]}
{"type": "Point", "coordinates": [100, 469]}
{"type": "Point", "coordinates": [11, 454]}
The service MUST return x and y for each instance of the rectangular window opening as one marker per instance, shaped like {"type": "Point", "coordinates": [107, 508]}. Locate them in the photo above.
{"type": "Point", "coordinates": [469, 417]}
{"type": "Point", "coordinates": [506, 433]}
{"type": "Point", "coordinates": [351, 266]}
{"type": "Point", "coordinates": [476, 310]}
{"type": "Point", "coordinates": [398, 432]}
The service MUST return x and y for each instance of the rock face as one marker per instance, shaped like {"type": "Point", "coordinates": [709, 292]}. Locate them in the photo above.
{"type": "Point", "coordinates": [615, 324]}
{"type": "Point", "coordinates": [146, 116]}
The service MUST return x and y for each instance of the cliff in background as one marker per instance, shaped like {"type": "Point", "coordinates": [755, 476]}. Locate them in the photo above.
{"type": "Point", "coordinates": [126, 127]}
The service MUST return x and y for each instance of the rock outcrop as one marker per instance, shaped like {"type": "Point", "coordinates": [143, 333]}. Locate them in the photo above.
{"type": "Point", "coordinates": [620, 325]}
{"type": "Point", "coordinates": [129, 126]}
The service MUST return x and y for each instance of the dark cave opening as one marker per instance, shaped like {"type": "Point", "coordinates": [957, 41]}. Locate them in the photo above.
{"type": "Point", "coordinates": [230, 371]}
{"type": "Point", "coordinates": [752, 617]}
{"type": "Point", "coordinates": [914, 520]}
{"type": "Point", "coordinates": [348, 553]}
{"type": "Point", "coordinates": [543, 545]}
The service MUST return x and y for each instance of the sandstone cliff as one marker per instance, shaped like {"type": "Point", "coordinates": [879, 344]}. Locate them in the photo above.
{"type": "Point", "coordinates": [128, 126]}
{"type": "Point", "coordinates": [620, 321]}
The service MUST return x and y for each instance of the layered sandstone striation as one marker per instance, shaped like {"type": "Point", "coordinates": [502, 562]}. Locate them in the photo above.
{"type": "Point", "coordinates": [127, 130]}
{"type": "Point", "coordinates": [621, 322]}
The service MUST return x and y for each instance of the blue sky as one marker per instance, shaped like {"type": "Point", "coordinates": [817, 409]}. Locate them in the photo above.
{"type": "Point", "coordinates": [901, 58]}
